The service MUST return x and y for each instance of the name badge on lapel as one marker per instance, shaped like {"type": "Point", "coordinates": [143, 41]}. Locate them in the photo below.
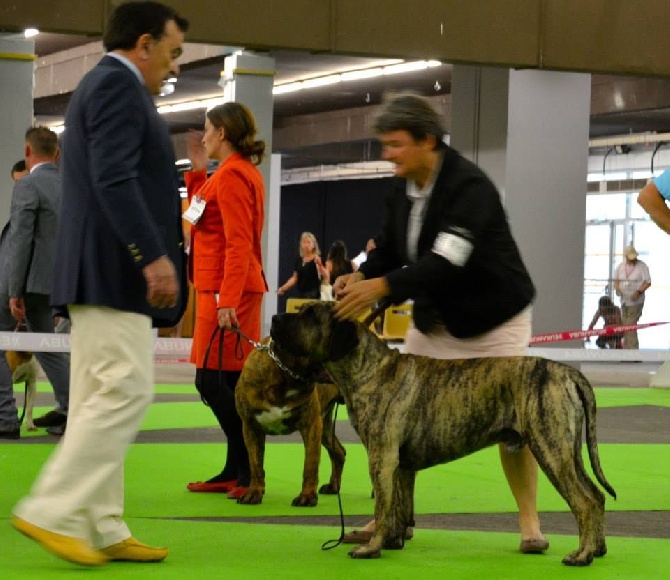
{"type": "Point", "coordinates": [194, 212]}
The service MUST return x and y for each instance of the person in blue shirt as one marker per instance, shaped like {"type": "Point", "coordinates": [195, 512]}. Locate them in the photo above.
{"type": "Point", "coordinates": [653, 198]}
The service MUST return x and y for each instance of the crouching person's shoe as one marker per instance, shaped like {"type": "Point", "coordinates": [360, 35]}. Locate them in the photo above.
{"type": "Point", "coordinates": [130, 550]}
{"type": "Point", "coordinates": [71, 549]}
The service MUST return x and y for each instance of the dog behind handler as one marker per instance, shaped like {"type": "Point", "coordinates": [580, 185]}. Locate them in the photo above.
{"type": "Point", "coordinates": [226, 268]}
{"type": "Point", "coordinates": [447, 245]}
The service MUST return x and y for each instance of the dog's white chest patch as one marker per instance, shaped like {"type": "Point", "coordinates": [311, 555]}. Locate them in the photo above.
{"type": "Point", "coordinates": [273, 419]}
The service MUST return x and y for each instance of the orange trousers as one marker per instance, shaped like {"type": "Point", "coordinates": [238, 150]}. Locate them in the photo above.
{"type": "Point", "coordinates": [235, 349]}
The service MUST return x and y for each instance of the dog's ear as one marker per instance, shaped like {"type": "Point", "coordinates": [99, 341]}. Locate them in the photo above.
{"type": "Point", "coordinates": [343, 339]}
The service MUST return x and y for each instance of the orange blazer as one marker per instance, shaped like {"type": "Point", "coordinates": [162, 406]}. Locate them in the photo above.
{"type": "Point", "coordinates": [225, 254]}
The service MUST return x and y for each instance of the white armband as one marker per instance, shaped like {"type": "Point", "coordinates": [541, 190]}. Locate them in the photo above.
{"type": "Point", "coordinates": [455, 249]}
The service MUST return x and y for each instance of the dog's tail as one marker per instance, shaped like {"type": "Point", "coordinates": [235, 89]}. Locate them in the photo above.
{"type": "Point", "coordinates": [588, 400]}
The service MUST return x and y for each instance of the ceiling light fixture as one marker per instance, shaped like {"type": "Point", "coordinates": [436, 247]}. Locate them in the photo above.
{"type": "Point", "coordinates": [354, 75]}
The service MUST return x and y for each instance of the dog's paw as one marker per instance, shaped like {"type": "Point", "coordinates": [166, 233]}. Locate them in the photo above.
{"type": "Point", "coordinates": [30, 427]}
{"type": "Point", "coordinates": [578, 558]}
{"type": "Point", "coordinates": [305, 500]}
{"type": "Point", "coordinates": [251, 497]}
{"type": "Point", "coordinates": [365, 552]}
{"type": "Point", "coordinates": [329, 489]}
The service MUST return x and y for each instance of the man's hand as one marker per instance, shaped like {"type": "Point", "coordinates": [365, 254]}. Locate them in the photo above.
{"type": "Point", "coordinates": [18, 309]}
{"type": "Point", "coordinates": [162, 285]}
{"type": "Point", "coordinates": [358, 297]}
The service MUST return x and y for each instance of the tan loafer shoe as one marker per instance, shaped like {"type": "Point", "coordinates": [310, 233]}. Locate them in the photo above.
{"type": "Point", "coordinates": [70, 549]}
{"type": "Point", "coordinates": [130, 550]}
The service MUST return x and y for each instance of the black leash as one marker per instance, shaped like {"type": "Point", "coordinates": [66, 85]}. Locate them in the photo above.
{"type": "Point", "coordinates": [330, 544]}
{"type": "Point", "coordinates": [377, 311]}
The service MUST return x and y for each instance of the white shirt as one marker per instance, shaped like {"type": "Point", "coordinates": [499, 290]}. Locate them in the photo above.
{"type": "Point", "coordinates": [631, 277]}
{"type": "Point", "coordinates": [419, 197]}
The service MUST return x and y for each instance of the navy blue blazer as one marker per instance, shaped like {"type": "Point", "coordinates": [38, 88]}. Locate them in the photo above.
{"type": "Point", "coordinates": [120, 204]}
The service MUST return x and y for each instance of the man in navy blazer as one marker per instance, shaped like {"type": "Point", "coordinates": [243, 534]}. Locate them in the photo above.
{"type": "Point", "coordinates": [119, 263]}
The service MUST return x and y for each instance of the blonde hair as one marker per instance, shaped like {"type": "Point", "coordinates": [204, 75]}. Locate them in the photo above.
{"type": "Point", "coordinates": [309, 236]}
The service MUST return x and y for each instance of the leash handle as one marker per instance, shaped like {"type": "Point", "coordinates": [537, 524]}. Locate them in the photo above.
{"type": "Point", "coordinates": [217, 330]}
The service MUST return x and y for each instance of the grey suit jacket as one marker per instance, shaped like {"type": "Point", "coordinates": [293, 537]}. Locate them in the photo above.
{"type": "Point", "coordinates": [30, 247]}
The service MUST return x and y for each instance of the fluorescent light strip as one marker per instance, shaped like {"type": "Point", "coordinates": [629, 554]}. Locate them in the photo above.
{"type": "Point", "coordinates": [358, 74]}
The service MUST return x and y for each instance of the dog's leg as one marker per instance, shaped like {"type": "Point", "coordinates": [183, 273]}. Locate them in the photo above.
{"type": "Point", "coordinates": [336, 452]}
{"type": "Point", "coordinates": [311, 429]}
{"type": "Point", "coordinates": [561, 461]}
{"type": "Point", "coordinates": [383, 465]}
{"type": "Point", "coordinates": [254, 439]}
{"type": "Point", "coordinates": [31, 390]}
{"type": "Point", "coordinates": [403, 508]}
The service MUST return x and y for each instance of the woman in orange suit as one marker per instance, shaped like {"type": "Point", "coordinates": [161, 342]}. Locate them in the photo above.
{"type": "Point", "coordinates": [226, 211]}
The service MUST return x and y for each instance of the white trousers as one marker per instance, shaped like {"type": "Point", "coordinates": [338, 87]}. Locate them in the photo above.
{"type": "Point", "coordinates": [79, 492]}
{"type": "Point", "coordinates": [511, 338]}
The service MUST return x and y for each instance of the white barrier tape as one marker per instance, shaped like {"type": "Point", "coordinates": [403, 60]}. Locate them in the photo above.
{"type": "Point", "coordinates": [180, 348]}
{"type": "Point", "coordinates": [46, 342]}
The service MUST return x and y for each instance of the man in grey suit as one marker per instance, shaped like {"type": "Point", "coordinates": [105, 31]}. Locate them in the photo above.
{"type": "Point", "coordinates": [119, 267]}
{"type": "Point", "coordinates": [27, 274]}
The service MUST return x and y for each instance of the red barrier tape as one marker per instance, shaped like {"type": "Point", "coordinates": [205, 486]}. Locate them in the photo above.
{"type": "Point", "coordinates": [581, 334]}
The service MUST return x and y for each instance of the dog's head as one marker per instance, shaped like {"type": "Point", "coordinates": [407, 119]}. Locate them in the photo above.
{"type": "Point", "coordinates": [314, 332]}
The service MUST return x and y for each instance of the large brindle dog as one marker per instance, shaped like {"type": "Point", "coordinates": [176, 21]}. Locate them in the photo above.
{"type": "Point", "coordinates": [275, 401]}
{"type": "Point", "coordinates": [413, 412]}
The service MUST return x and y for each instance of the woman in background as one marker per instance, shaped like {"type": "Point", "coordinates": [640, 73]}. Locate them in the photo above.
{"type": "Point", "coordinates": [308, 271]}
{"type": "Point", "coordinates": [337, 262]}
{"type": "Point", "coordinates": [227, 213]}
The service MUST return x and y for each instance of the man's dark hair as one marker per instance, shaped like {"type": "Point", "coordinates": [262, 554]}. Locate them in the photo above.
{"type": "Point", "coordinates": [133, 19]}
{"type": "Point", "coordinates": [412, 113]}
{"type": "Point", "coordinates": [43, 141]}
{"type": "Point", "coordinates": [18, 167]}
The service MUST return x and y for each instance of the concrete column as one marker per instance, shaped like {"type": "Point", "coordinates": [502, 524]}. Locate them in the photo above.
{"type": "Point", "coordinates": [16, 95]}
{"type": "Point", "coordinates": [248, 79]}
{"type": "Point", "coordinates": [529, 131]}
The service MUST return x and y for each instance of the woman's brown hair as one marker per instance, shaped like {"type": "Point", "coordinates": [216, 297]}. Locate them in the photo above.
{"type": "Point", "coordinates": [240, 129]}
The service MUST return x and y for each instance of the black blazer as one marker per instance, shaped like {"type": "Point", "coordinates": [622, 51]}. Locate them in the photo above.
{"type": "Point", "coordinates": [120, 204]}
{"type": "Point", "coordinates": [491, 287]}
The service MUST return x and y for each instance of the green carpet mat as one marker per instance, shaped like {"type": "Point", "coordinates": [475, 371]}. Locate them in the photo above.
{"type": "Point", "coordinates": [631, 396]}
{"type": "Point", "coordinates": [279, 552]}
{"type": "Point", "coordinates": [156, 476]}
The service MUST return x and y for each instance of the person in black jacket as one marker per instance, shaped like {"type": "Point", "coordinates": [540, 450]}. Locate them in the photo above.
{"type": "Point", "coordinates": [446, 244]}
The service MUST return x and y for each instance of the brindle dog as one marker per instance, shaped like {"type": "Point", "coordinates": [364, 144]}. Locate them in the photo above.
{"type": "Point", "coordinates": [272, 402]}
{"type": "Point", "coordinates": [24, 370]}
{"type": "Point", "coordinates": [413, 412]}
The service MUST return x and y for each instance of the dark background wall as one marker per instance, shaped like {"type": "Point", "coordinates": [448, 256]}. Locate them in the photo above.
{"type": "Point", "coordinates": [350, 210]}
